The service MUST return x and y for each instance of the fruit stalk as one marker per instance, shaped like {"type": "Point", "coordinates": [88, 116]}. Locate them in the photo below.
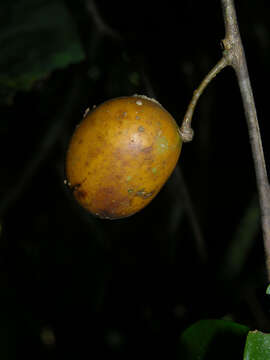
{"type": "Point", "coordinates": [186, 130]}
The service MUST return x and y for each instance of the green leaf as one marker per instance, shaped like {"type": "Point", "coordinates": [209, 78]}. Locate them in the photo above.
{"type": "Point", "coordinates": [36, 38]}
{"type": "Point", "coordinates": [257, 346]}
{"type": "Point", "coordinates": [213, 339]}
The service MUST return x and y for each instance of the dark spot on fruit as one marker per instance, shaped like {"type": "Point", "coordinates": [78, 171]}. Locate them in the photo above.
{"type": "Point", "coordinates": [144, 194]}
{"type": "Point", "coordinates": [147, 149]}
{"type": "Point", "coordinates": [76, 187]}
{"type": "Point", "coordinates": [81, 194]}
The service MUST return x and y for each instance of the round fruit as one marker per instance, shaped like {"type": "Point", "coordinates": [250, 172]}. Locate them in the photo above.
{"type": "Point", "coordinates": [121, 154]}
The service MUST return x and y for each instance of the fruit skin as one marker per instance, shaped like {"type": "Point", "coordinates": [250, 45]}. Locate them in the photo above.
{"type": "Point", "coordinates": [121, 154]}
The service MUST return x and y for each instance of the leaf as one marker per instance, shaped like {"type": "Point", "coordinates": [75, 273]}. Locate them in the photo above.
{"type": "Point", "coordinates": [257, 346]}
{"type": "Point", "coordinates": [36, 38]}
{"type": "Point", "coordinates": [213, 339]}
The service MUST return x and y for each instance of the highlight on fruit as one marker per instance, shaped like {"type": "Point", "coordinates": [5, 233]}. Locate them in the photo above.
{"type": "Point", "coordinates": [121, 154]}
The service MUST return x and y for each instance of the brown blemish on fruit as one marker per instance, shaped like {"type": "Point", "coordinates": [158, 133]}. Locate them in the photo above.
{"type": "Point", "coordinates": [144, 194]}
{"type": "Point", "coordinates": [110, 203]}
{"type": "Point", "coordinates": [80, 194]}
{"type": "Point", "coordinates": [147, 149]}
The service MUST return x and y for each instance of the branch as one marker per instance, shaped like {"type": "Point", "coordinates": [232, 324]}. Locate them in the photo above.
{"type": "Point", "coordinates": [235, 56]}
{"type": "Point", "coordinates": [44, 147]}
{"type": "Point", "coordinates": [104, 28]}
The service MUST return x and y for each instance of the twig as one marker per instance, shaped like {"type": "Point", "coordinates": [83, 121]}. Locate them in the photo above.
{"type": "Point", "coordinates": [235, 56]}
{"type": "Point", "coordinates": [192, 217]}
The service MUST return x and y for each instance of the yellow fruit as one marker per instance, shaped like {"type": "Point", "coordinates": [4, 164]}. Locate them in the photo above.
{"type": "Point", "coordinates": [121, 154]}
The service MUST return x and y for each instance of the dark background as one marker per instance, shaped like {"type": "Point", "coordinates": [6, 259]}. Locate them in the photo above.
{"type": "Point", "coordinates": [73, 286]}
